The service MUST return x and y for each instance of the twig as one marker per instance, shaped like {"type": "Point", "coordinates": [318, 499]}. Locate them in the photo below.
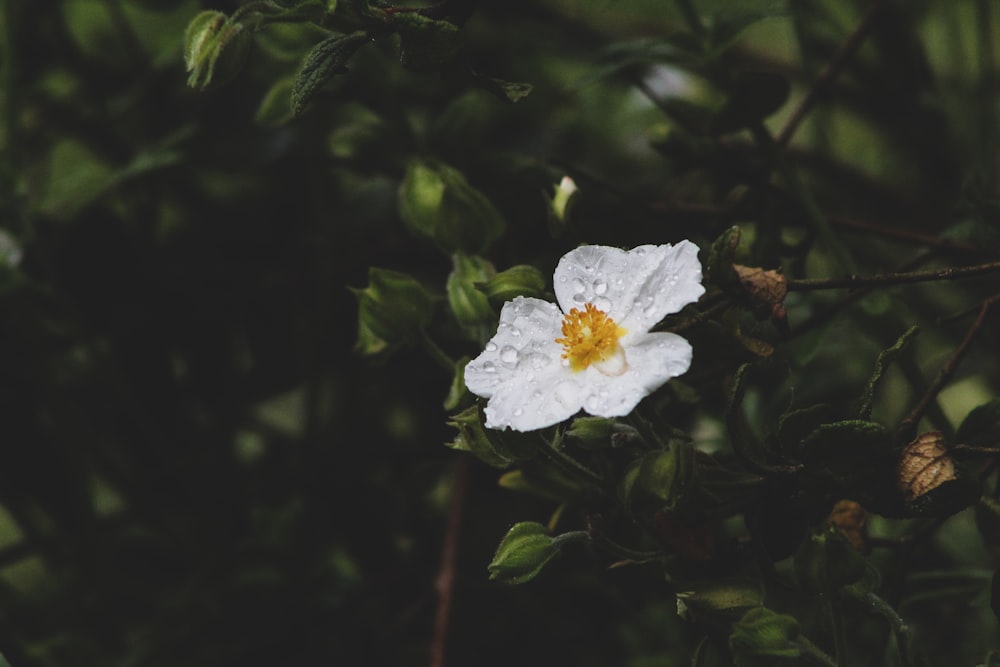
{"type": "Point", "coordinates": [904, 235]}
{"type": "Point", "coordinates": [949, 367]}
{"type": "Point", "coordinates": [950, 273]}
{"type": "Point", "coordinates": [445, 584]}
{"type": "Point", "coordinates": [829, 73]}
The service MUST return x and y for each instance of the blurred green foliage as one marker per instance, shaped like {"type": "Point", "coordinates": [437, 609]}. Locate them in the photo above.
{"type": "Point", "coordinates": [200, 464]}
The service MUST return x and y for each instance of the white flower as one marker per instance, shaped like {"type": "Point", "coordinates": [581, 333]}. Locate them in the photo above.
{"type": "Point", "coordinates": [593, 351]}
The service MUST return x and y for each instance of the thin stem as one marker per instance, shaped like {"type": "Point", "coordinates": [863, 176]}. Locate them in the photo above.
{"type": "Point", "coordinates": [949, 367]}
{"type": "Point", "coordinates": [829, 73]}
{"type": "Point", "coordinates": [698, 318]}
{"type": "Point", "coordinates": [445, 583]}
{"type": "Point", "coordinates": [851, 281]}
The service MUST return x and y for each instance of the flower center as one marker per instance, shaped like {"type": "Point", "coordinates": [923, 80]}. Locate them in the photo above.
{"type": "Point", "coordinates": [589, 337]}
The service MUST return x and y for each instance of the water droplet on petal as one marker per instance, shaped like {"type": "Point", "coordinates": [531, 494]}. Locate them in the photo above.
{"type": "Point", "coordinates": [508, 354]}
{"type": "Point", "coordinates": [640, 252]}
{"type": "Point", "coordinates": [580, 297]}
{"type": "Point", "coordinates": [491, 347]}
{"type": "Point", "coordinates": [537, 360]}
{"type": "Point", "coordinates": [489, 367]}
{"type": "Point", "coordinates": [562, 279]}
{"type": "Point", "coordinates": [518, 412]}
{"type": "Point", "coordinates": [603, 303]}
{"type": "Point", "coordinates": [600, 286]}
{"type": "Point", "coordinates": [515, 332]}
{"type": "Point", "coordinates": [649, 312]}
{"type": "Point", "coordinates": [588, 268]}
{"type": "Point", "coordinates": [578, 285]}
{"type": "Point", "coordinates": [564, 362]}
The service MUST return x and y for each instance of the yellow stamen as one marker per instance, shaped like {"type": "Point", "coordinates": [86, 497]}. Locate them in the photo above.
{"type": "Point", "coordinates": [589, 336]}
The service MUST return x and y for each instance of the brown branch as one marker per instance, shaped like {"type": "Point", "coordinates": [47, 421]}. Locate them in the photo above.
{"type": "Point", "coordinates": [911, 420]}
{"type": "Point", "coordinates": [445, 584]}
{"type": "Point", "coordinates": [829, 73]}
{"type": "Point", "coordinates": [951, 273]}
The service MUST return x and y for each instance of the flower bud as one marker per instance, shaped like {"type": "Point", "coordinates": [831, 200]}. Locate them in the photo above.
{"type": "Point", "coordinates": [522, 553]}
{"type": "Point", "coordinates": [214, 49]}
{"type": "Point", "coordinates": [520, 280]}
{"type": "Point", "coordinates": [394, 309]}
{"type": "Point", "coordinates": [562, 199]}
{"type": "Point", "coordinates": [762, 635]}
{"type": "Point", "coordinates": [469, 305]}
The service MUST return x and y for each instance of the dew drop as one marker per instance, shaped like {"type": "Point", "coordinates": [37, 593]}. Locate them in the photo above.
{"type": "Point", "coordinates": [640, 252]}
{"type": "Point", "coordinates": [564, 362]}
{"type": "Point", "coordinates": [562, 279]}
{"type": "Point", "coordinates": [518, 412]}
{"type": "Point", "coordinates": [508, 354]}
{"type": "Point", "coordinates": [588, 268]}
{"type": "Point", "coordinates": [491, 347]}
{"type": "Point", "coordinates": [578, 285]}
{"type": "Point", "coordinates": [515, 332]}
{"type": "Point", "coordinates": [489, 367]}
{"type": "Point", "coordinates": [603, 303]}
{"type": "Point", "coordinates": [600, 286]}
{"type": "Point", "coordinates": [579, 297]}
{"type": "Point", "coordinates": [650, 311]}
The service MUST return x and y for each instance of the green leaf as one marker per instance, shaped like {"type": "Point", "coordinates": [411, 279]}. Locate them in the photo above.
{"type": "Point", "coordinates": [520, 280]}
{"type": "Point", "coordinates": [719, 599]}
{"type": "Point", "coordinates": [437, 202]}
{"type": "Point", "coordinates": [522, 553]}
{"type": "Point", "coordinates": [326, 59]}
{"type": "Point", "coordinates": [885, 358]}
{"type": "Point", "coordinates": [468, 304]}
{"type": "Point", "coordinates": [981, 427]}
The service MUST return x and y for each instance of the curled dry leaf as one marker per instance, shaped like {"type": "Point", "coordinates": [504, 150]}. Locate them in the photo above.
{"type": "Point", "coordinates": [765, 289]}
{"type": "Point", "coordinates": [848, 517]}
{"type": "Point", "coordinates": [925, 465]}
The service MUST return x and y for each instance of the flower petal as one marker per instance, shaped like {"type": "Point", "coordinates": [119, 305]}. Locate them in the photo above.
{"type": "Point", "coordinates": [652, 359]}
{"type": "Point", "coordinates": [523, 347]}
{"type": "Point", "coordinates": [637, 288]}
{"type": "Point", "coordinates": [591, 274]}
{"type": "Point", "coordinates": [668, 277]}
{"type": "Point", "coordinates": [553, 396]}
